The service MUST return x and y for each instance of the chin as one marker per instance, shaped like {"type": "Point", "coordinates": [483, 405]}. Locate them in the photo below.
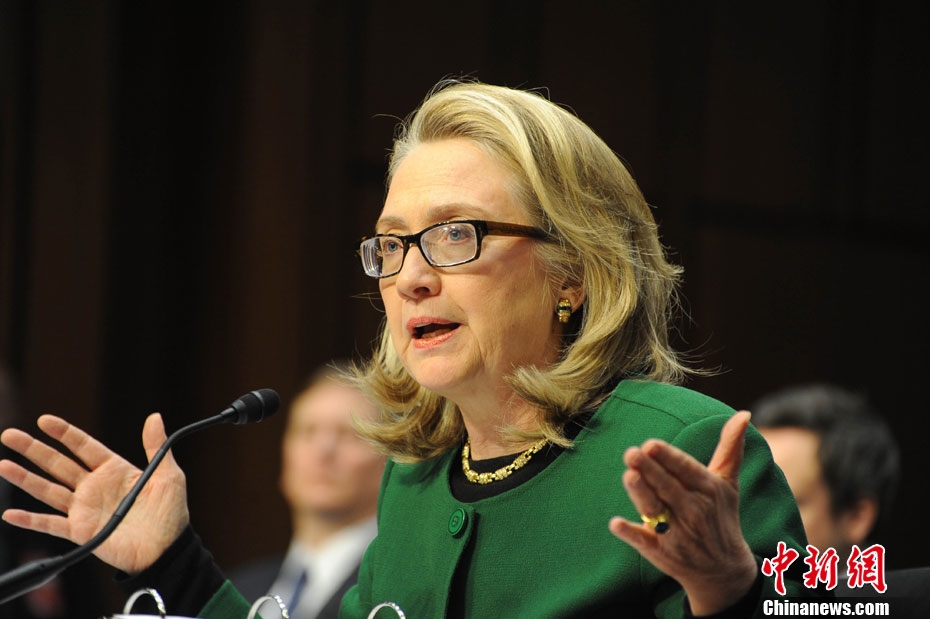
{"type": "Point", "coordinates": [327, 504]}
{"type": "Point", "coordinates": [438, 379]}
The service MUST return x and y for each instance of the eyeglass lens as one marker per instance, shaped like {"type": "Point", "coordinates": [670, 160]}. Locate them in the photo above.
{"type": "Point", "coordinates": [445, 245]}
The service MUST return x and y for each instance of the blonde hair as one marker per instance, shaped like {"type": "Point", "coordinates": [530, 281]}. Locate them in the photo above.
{"type": "Point", "coordinates": [575, 188]}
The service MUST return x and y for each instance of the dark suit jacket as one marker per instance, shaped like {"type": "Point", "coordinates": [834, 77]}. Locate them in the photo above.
{"type": "Point", "coordinates": [908, 592]}
{"type": "Point", "coordinates": [254, 579]}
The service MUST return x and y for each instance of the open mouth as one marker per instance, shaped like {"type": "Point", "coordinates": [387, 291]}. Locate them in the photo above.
{"type": "Point", "coordinates": [432, 329]}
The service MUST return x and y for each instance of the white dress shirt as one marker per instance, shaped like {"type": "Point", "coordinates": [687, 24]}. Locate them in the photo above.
{"type": "Point", "coordinates": [327, 568]}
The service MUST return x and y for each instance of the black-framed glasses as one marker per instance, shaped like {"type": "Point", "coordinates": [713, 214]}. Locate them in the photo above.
{"type": "Point", "coordinates": [445, 244]}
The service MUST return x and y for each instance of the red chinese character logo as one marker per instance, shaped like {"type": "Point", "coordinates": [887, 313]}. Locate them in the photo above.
{"type": "Point", "coordinates": [777, 565]}
{"type": "Point", "coordinates": [822, 568]}
{"type": "Point", "coordinates": [867, 567]}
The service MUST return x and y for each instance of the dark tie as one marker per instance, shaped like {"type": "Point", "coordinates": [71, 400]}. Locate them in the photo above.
{"type": "Point", "coordinates": [298, 590]}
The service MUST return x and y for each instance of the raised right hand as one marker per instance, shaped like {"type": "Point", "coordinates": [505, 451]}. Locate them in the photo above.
{"type": "Point", "coordinates": [87, 497]}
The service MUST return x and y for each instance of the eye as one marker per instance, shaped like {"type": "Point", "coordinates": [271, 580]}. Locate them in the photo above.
{"type": "Point", "coordinates": [457, 234]}
{"type": "Point", "coordinates": [301, 432]}
{"type": "Point", "coordinates": [390, 246]}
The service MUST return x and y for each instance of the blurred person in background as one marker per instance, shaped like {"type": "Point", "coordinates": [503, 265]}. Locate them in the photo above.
{"type": "Point", "coordinates": [843, 466]}
{"type": "Point", "coordinates": [330, 478]}
{"type": "Point", "coordinates": [839, 458]}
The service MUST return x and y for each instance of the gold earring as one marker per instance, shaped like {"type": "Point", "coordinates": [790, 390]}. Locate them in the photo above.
{"type": "Point", "coordinates": [563, 310]}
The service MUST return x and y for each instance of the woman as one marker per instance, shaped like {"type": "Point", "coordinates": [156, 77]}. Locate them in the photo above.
{"type": "Point", "coordinates": [542, 463]}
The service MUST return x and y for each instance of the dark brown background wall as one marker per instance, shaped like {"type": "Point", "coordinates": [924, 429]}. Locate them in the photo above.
{"type": "Point", "coordinates": [182, 185]}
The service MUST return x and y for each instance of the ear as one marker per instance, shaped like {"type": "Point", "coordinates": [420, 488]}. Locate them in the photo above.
{"type": "Point", "coordinates": [856, 523]}
{"type": "Point", "coordinates": [575, 294]}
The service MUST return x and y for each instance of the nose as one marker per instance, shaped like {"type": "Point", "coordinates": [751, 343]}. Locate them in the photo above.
{"type": "Point", "coordinates": [324, 444]}
{"type": "Point", "coordinates": [417, 278]}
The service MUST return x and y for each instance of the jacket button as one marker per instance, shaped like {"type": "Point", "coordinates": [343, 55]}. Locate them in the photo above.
{"type": "Point", "coordinates": [457, 521]}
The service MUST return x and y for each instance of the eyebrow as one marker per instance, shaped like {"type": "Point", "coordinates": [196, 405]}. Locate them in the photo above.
{"type": "Point", "coordinates": [436, 214]}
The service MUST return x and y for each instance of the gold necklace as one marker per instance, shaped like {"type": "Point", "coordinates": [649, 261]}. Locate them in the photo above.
{"type": "Point", "coordinates": [501, 473]}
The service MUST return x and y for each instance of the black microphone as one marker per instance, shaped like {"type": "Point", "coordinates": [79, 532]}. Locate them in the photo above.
{"type": "Point", "coordinates": [250, 408]}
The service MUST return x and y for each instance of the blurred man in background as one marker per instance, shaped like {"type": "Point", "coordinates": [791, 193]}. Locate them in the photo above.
{"type": "Point", "coordinates": [842, 464]}
{"type": "Point", "coordinates": [330, 480]}
{"type": "Point", "coordinates": [839, 458]}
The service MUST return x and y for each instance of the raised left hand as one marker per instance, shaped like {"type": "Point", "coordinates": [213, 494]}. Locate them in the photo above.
{"type": "Point", "coordinates": [703, 549]}
{"type": "Point", "coordinates": [87, 491]}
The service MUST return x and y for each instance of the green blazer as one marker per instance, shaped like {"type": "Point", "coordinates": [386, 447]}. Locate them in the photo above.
{"type": "Point", "coordinates": [543, 549]}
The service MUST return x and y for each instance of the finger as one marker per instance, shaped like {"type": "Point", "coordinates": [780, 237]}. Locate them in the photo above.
{"type": "Point", "coordinates": [691, 473]}
{"type": "Point", "coordinates": [668, 470]}
{"type": "Point", "coordinates": [92, 452]}
{"type": "Point", "coordinates": [153, 436]}
{"type": "Point", "coordinates": [638, 536]}
{"type": "Point", "coordinates": [644, 498]}
{"type": "Point", "coordinates": [43, 523]}
{"type": "Point", "coordinates": [650, 487]}
{"type": "Point", "coordinates": [52, 494]}
{"type": "Point", "coordinates": [53, 462]}
{"type": "Point", "coordinates": [728, 456]}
